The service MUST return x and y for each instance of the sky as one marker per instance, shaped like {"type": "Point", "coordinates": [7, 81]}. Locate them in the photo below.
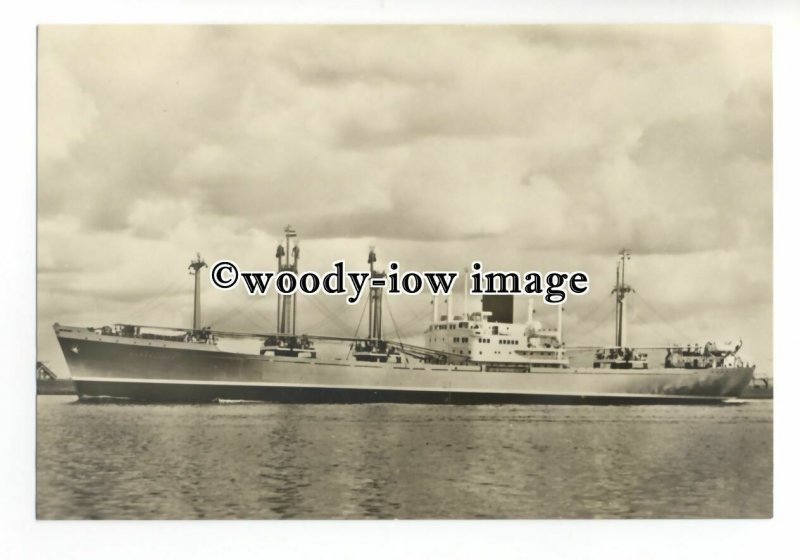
{"type": "Point", "coordinates": [525, 147]}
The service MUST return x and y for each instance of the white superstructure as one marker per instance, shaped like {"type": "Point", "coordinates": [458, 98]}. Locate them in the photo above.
{"type": "Point", "coordinates": [480, 340]}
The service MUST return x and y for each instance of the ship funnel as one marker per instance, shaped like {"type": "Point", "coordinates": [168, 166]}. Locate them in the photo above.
{"type": "Point", "coordinates": [501, 307]}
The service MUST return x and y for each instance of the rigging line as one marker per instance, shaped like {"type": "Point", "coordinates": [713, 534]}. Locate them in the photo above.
{"type": "Point", "coordinates": [340, 310]}
{"type": "Point", "coordinates": [316, 325]}
{"type": "Point", "coordinates": [594, 328]}
{"type": "Point", "coordinates": [329, 317]}
{"type": "Point", "coordinates": [599, 305]}
{"type": "Point", "coordinates": [332, 317]}
{"type": "Point", "coordinates": [157, 302]}
{"type": "Point", "coordinates": [413, 322]}
{"type": "Point", "coordinates": [663, 320]}
{"type": "Point", "coordinates": [361, 318]}
{"type": "Point", "coordinates": [326, 315]}
{"type": "Point", "coordinates": [252, 322]}
{"type": "Point", "coordinates": [415, 313]}
{"type": "Point", "coordinates": [397, 332]}
{"type": "Point", "coordinates": [236, 309]}
{"type": "Point", "coordinates": [148, 309]}
{"type": "Point", "coordinates": [171, 287]}
{"type": "Point", "coordinates": [224, 317]}
{"type": "Point", "coordinates": [151, 302]}
{"type": "Point", "coordinates": [585, 320]}
{"type": "Point", "coordinates": [665, 333]}
{"type": "Point", "coordinates": [239, 310]}
{"type": "Point", "coordinates": [358, 326]}
{"type": "Point", "coordinates": [236, 312]}
{"type": "Point", "coordinates": [651, 327]}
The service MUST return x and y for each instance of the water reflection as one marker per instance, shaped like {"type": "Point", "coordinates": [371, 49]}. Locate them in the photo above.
{"type": "Point", "coordinates": [111, 460]}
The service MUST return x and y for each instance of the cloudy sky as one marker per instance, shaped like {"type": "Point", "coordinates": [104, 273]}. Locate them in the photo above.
{"type": "Point", "coordinates": [529, 148]}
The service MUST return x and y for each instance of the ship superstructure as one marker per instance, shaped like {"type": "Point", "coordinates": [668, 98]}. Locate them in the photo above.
{"type": "Point", "coordinates": [497, 345]}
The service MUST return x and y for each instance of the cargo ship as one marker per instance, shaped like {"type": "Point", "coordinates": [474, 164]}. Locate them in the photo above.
{"type": "Point", "coordinates": [481, 357]}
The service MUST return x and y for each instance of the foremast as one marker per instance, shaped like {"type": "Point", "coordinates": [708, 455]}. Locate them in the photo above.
{"type": "Point", "coordinates": [194, 269]}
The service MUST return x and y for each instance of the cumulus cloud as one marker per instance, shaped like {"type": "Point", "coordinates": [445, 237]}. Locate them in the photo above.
{"type": "Point", "coordinates": [521, 145]}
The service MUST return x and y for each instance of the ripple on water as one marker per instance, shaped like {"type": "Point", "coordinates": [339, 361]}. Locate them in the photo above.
{"type": "Point", "coordinates": [118, 460]}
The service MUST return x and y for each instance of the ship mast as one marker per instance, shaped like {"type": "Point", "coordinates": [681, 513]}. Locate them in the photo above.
{"type": "Point", "coordinates": [287, 304]}
{"type": "Point", "coordinates": [621, 289]}
{"type": "Point", "coordinates": [194, 269]}
{"type": "Point", "coordinates": [279, 253]}
{"type": "Point", "coordinates": [375, 310]}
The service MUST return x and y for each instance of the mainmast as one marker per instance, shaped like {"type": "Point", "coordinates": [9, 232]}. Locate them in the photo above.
{"type": "Point", "coordinates": [374, 348]}
{"type": "Point", "coordinates": [621, 289]}
{"type": "Point", "coordinates": [287, 304]}
{"type": "Point", "coordinates": [375, 310]}
{"type": "Point", "coordinates": [194, 269]}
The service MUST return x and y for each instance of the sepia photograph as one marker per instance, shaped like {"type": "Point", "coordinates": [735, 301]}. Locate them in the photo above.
{"type": "Point", "coordinates": [415, 272]}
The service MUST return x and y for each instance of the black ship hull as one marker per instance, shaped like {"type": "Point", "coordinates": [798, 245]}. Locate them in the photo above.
{"type": "Point", "coordinates": [169, 371]}
{"type": "Point", "coordinates": [199, 393]}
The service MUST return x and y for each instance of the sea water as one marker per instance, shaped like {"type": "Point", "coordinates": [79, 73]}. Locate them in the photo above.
{"type": "Point", "coordinates": [117, 460]}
